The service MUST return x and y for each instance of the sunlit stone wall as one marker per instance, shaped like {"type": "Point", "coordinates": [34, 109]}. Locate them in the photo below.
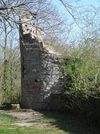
{"type": "Point", "coordinates": [41, 76]}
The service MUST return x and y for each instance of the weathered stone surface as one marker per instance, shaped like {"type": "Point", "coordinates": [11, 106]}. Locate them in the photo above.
{"type": "Point", "coordinates": [41, 75]}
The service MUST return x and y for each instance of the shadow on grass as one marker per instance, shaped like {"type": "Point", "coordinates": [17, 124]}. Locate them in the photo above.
{"type": "Point", "coordinates": [70, 124]}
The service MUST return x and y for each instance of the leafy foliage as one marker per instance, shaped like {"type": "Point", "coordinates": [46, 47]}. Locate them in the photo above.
{"type": "Point", "coordinates": [82, 88]}
{"type": "Point", "coordinates": [10, 78]}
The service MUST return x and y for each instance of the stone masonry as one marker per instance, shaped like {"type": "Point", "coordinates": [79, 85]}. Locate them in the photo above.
{"type": "Point", "coordinates": [41, 76]}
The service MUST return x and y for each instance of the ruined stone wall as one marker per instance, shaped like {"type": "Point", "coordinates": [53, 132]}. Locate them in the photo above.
{"type": "Point", "coordinates": [41, 75]}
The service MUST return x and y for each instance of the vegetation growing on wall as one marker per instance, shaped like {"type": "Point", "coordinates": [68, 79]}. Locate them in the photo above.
{"type": "Point", "coordinates": [82, 88]}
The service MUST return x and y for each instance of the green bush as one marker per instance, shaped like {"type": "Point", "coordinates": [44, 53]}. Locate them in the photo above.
{"type": "Point", "coordinates": [82, 88]}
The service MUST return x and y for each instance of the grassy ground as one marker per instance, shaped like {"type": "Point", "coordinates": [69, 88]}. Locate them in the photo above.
{"type": "Point", "coordinates": [49, 123]}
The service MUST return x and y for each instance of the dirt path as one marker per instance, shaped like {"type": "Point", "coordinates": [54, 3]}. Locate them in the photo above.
{"type": "Point", "coordinates": [26, 116]}
{"type": "Point", "coordinates": [54, 122]}
{"type": "Point", "coordinates": [25, 119]}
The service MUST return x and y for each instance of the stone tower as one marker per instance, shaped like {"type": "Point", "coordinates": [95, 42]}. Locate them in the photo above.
{"type": "Point", "coordinates": [40, 74]}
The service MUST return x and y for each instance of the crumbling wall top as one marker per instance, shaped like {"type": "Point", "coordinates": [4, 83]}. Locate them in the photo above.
{"type": "Point", "coordinates": [28, 27]}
